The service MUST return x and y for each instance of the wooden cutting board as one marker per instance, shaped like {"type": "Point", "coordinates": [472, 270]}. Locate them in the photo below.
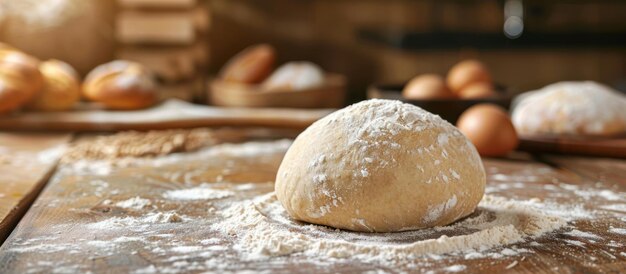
{"type": "Point", "coordinates": [591, 147]}
{"type": "Point", "coordinates": [170, 114]}
{"type": "Point", "coordinates": [62, 238]}
{"type": "Point", "coordinates": [26, 162]}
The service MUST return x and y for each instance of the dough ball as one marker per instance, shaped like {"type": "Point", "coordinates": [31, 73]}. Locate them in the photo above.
{"type": "Point", "coordinates": [61, 89]}
{"type": "Point", "coordinates": [121, 85]}
{"type": "Point", "coordinates": [466, 73]}
{"type": "Point", "coordinates": [250, 66]}
{"type": "Point", "coordinates": [380, 166]}
{"type": "Point", "coordinates": [295, 76]}
{"type": "Point", "coordinates": [571, 108]}
{"type": "Point", "coordinates": [20, 79]}
{"type": "Point", "coordinates": [427, 86]}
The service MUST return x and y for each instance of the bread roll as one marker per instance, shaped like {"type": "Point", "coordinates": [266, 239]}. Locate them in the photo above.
{"type": "Point", "coordinates": [20, 79]}
{"type": "Point", "coordinates": [121, 85]}
{"type": "Point", "coordinates": [295, 76]}
{"type": "Point", "coordinates": [61, 89]}
{"type": "Point", "coordinates": [250, 66]}
{"type": "Point", "coordinates": [380, 166]}
{"type": "Point", "coordinates": [571, 108]}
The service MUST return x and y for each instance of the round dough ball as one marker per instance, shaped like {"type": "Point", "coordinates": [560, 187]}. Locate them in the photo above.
{"type": "Point", "coordinates": [295, 76]}
{"type": "Point", "coordinates": [121, 85]}
{"type": "Point", "coordinates": [250, 66]}
{"type": "Point", "coordinates": [465, 73]}
{"type": "Point", "coordinates": [380, 166]}
{"type": "Point", "coordinates": [571, 108]}
{"type": "Point", "coordinates": [427, 86]}
{"type": "Point", "coordinates": [477, 90]}
{"type": "Point", "coordinates": [489, 128]}
{"type": "Point", "coordinates": [61, 89]}
{"type": "Point", "coordinates": [20, 79]}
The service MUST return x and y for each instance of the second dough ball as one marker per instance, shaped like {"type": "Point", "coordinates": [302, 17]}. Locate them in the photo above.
{"type": "Point", "coordinates": [61, 89]}
{"type": "Point", "coordinates": [583, 108]}
{"type": "Point", "coordinates": [121, 85]}
{"type": "Point", "coordinates": [380, 166]}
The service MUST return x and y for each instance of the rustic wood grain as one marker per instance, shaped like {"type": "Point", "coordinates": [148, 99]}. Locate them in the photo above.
{"type": "Point", "coordinates": [602, 170]}
{"type": "Point", "coordinates": [54, 234]}
{"type": "Point", "coordinates": [615, 147]}
{"type": "Point", "coordinates": [23, 174]}
{"type": "Point", "coordinates": [170, 114]}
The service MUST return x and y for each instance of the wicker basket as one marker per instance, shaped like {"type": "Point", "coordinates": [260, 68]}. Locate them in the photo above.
{"type": "Point", "coordinates": [330, 95]}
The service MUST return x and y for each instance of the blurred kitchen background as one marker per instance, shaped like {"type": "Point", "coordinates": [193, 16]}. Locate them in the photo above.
{"type": "Point", "coordinates": [526, 44]}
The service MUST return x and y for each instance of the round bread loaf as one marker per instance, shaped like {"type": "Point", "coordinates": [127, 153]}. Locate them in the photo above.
{"type": "Point", "coordinates": [570, 108]}
{"type": "Point", "coordinates": [121, 85]}
{"type": "Point", "coordinates": [380, 166]}
{"type": "Point", "coordinates": [20, 79]}
{"type": "Point", "coordinates": [61, 89]}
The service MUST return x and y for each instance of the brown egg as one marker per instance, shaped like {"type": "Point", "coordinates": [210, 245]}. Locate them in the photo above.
{"type": "Point", "coordinates": [427, 86]}
{"type": "Point", "coordinates": [250, 66]}
{"type": "Point", "coordinates": [489, 128]}
{"type": "Point", "coordinates": [465, 73]}
{"type": "Point", "coordinates": [477, 90]}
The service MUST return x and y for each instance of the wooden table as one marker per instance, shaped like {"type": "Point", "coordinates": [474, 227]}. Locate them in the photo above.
{"type": "Point", "coordinates": [102, 219]}
{"type": "Point", "coordinates": [26, 162]}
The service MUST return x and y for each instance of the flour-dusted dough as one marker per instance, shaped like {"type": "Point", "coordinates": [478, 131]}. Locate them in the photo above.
{"type": "Point", "coordinates": [380, 166]}
{"type": "Point", "coordinates": [570, 108]}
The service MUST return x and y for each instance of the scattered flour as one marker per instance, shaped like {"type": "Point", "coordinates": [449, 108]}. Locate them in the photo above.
{"type": "Point", "coordinates": [52, 154]}
{"type": "Point", "coordinates": [511, 265]}
{"type": "Point", "coordinates": [618, 230]}
{"type": "Point", "coordinates": [576, 243]}
{"type": "Point", "coordinates": [186, 249]}
{"type": "Point", "coordinates": [615, 207]}
{"type": "Point", "coordinates": [582, 234]}
{"type": "Point", "coordinates": [455, 268]}
{"type": "Point", "coordinates": [137, 222]}
{"type": "Point", "coordinates": [202, 192]}
{"type": "Point", "coordinates": [263, 229]}
{"type": "Point", "coordinates": [135, 203]}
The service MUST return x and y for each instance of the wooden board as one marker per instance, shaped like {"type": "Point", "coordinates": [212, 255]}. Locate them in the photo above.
{"type": "Point", "coordinates": [63, 232]}
{"type": "Point", "coordinates": [26, 162]}
{"type": "Point", "coordinates": [170, 114]}
{"type": "Point", "coordinates": [598, 169]}
{"type": "Point", "coordinates": [591, 147]}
